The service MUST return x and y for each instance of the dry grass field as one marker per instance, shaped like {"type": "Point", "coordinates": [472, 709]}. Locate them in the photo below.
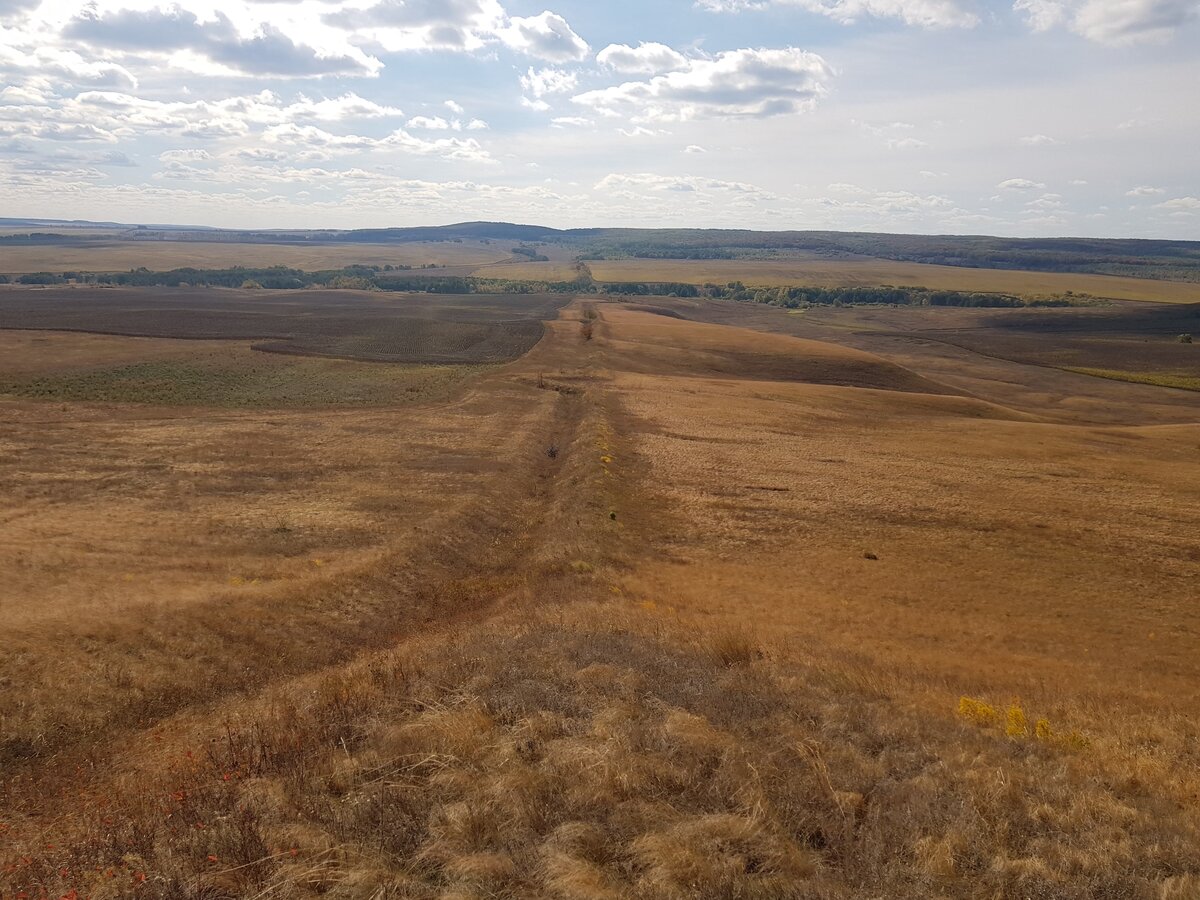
{"type": "Point", "coordinates": [868, 272]}
{"type": "Point", "coordinates": [665, 608]}
{"type": "Point", "coordinates": [121, 255]}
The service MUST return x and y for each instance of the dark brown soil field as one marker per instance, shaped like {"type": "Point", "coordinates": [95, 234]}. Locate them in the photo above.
{"type": "Point", "coordinates": [409, 328]}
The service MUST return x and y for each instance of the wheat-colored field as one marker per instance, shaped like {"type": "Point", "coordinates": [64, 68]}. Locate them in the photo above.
{"type": "Point", "coordinates": [554, 270]}
{"type": "Point", "coordinates": [663, 609]}
{"type": "Point", "coordinates": [873, 272]}
{"type": "Point", "coordinates": [120, 256]}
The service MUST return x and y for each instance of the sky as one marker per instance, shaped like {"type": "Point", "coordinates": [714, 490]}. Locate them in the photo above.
{"type": "Point", "coordinates": [1026, 118]}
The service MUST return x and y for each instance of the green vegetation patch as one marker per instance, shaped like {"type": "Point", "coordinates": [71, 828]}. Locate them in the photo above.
{"type": "Point", "coordinates": [1161, 379]}
{"type": "Point", "coordinates": [248, 380]}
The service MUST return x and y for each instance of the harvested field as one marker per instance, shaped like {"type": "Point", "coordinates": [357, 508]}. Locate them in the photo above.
{"type": "Point", "coordinates": [411, 328]}
{"type": "Point", "coordinates": [561, 270]}
{"type": "Point", "coordinates": [665, 608]}
{"type": "Point", "coordinates": [96, 255]}
{"type": "Point", "coordinates": [869, 272]}
{"type": "Point", "coordinates": [70, 367]}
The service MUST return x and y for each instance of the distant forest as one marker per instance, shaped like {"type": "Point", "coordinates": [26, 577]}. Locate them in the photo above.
{"type": "Point", "coordinates": [388, 278]}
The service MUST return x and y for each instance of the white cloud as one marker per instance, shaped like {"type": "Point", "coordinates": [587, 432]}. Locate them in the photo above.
{"type": "Point", "coordinates": [903, 205]}
{"type": "Point", "coordinates": [1111, 21]}
{"type": "Point", "coordinates": [187, 155]}
{"type": "Point", "coordinates": [694, 148]}
{"type": "Point", "coordinates": [1039, 140]}
{"type": "Point", "coordinates": [644, 59]}
{"type": "Point", "coordinates": [571, 121]}
{"type": "Point", "coordinates": [1182, 204]}
{"type": "Point", "coordinates": [1046, 202]}
{"type": "Point", "coordinates": [908, 143]}
{"type": "Point", "coordinates": [644, 182]}
{"type": "Point", "coordinates": [65, 67]}
{"type": "Point", "coordinates": [309, 136]}
{"type": "Point", "coordinates": [263, 50]}
{"type": "Point", "coordinates": [546, 36]}
{"type": "Point", "coordinates": [454, 107]}
{"type": "Point", "coordinates": [926, 13]}
{"type": "Point", "coordinates": [435, 123]}
{"type": "Point", "coordinates": [338, 109]}
{"type": "Point", "coordinates": [550, 80]}
{"type": "Point", "coordinates": [1144, 190]}
{"type": "Point", "coordinates": [422, 25]}
{"type": "Point", "coordinates": [737, 83]}
{"type": "Point", "coordinates": [1020, 184]}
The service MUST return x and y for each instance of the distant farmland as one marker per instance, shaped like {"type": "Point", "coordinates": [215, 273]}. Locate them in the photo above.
{"type": "Point", "coordinates": [868, 272]}
{"type": "Point", "coordinates": [120, 256]}
{"type": "Point", "coordinates": [405, 328]}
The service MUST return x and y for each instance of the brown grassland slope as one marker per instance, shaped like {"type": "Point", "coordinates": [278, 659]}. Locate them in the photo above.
{"type": "Point", "coordinates": [663, 609]}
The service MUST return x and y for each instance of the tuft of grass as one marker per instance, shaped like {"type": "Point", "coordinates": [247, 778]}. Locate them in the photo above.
{"type": "Point", "coordinates": [735, 648]}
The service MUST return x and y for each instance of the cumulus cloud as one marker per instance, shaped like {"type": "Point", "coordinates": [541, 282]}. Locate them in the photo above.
{"type": "Point", "coordinates": [1111, 21]}
{"type": "Point", "coordinates": [900, 204]}
{"type": "Point", "coordinates": [1039, 140]}
{"type": "Point", "coordinates": [1180, 204]}
{"type": "Point", "coordinates": [265, 52]}
{"type": "Point", "coordinates": [1144, 190]}
{"type": "Point", "coordinates": [546, 36]}
{"type": "Point", "coordinates": [65, 67]}
{"type": "Point", "coordinates": [192, 154]}
{"type": "Point", "coordinates": [396, 25]}
{"type": "Point", "coordinates": [925, 13]}
{"type": "Point", "coordinates": [550, 80]}
{"type": "Point", "coordinates": [1020, 184]}
{"type": "Point", "coordinates": [337, 109]}
{"type": "Point", "coordinates": [313, 138]}
{"type": "Point", "coordinates": [434, 123]}
{"type": "Point", "coordinates": [738, 83]}
{"type": "Point", "coordinates": [644, 59]}
{"type": "Point", "coordinates": [633, 185]}
{"type": "Point", "coordinates": [11, 8]}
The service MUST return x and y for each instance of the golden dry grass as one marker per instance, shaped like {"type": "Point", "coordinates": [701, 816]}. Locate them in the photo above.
{"type": "Point", "coordinates": [873, 272]}
{"type": "Point", "coordinates": [554, 270]}
{"type": "Point", "coordinates": [120, 256]}
{"type": "Point", "coordinates": [716, 645]}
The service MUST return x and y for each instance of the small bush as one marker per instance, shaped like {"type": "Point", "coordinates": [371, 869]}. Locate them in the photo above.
{"type": "Point", "coordinates": [1185, 339]}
